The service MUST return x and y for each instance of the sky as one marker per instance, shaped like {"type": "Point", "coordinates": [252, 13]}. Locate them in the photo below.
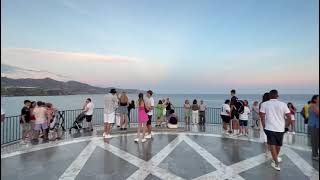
{"type": "Point", "coordinates": [170, 46]}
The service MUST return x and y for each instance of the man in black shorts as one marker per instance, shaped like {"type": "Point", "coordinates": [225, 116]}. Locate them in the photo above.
{"type": "Point", "coordinates": [150, 107]}
{"type": "Point", "coordinates": [234, 113]}
{"type": "Point", "coordinates": [272, 114]}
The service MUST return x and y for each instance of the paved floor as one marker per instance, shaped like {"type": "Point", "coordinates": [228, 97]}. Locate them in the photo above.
{"type": "Point", "coordinates": [194, 154]}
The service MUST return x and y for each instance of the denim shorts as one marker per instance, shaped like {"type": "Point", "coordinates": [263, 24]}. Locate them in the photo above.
{"type": "Point", "coordinates": [38, 127]}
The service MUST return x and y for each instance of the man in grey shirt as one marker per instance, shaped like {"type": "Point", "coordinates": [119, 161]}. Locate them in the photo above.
{"type": "Point", "coordinates": [202, 113]}
{"type": "Point", "coordinates": [110, 106]}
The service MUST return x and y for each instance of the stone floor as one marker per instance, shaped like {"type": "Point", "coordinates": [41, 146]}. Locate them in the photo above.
{"type": "Point", "coordinates": [188, 153]}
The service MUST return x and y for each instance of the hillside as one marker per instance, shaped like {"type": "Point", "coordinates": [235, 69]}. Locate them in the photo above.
{"type": "Point", "coordinates": [48, 86]}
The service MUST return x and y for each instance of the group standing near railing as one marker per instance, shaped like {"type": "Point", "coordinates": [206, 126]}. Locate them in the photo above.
{"type": "Point", "coordinates": [11, 129]}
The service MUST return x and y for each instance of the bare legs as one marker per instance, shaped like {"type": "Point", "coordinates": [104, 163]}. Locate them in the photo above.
{"type": "Point", "coordinates": [107, 128]}
{"type": "Point", "coordinates": [275, 150]}
{"type": "Point", "coordinates": [143, 127]}
{"type": "Point", "coordinates": [123, 121]}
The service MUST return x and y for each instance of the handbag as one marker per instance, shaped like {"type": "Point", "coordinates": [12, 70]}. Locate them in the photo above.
{"type": "Point", "coordinates": [145, 108]}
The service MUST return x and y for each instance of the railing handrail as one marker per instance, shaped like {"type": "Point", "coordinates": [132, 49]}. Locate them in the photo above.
{"type": "Point", "coordinates": [10, 127]}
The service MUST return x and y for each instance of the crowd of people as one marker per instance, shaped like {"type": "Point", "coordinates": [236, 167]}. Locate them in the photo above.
{"type": "Point", "coordinates": [271, 116]}
{"type": "Point", "coordinates": [36, 121]}
{"type": "Point", "coordinates": [274, 118]}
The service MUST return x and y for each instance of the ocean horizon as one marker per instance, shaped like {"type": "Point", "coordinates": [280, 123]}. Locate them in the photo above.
{"type": "Point", "coordinates": [13, 105]}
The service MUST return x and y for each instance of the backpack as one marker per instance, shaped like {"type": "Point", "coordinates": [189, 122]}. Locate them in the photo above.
{"type": "Point", "coordinates": [303, 115]}
{"type": "Point", "coordinates": [239, 106]}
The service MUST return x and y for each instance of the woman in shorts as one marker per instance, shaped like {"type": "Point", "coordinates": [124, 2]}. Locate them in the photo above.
{"type": "Point", "coordinates": [187, 111]}
{"type": "Point", "coordinates": [225, 116]}
{"type": "Point", "coordinates": [123, 111]}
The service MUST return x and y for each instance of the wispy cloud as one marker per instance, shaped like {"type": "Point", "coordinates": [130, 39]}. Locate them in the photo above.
{"type": "Point", "coordinates": [108, 70]}
{"type": "Point", "coordinates": [70, 56]}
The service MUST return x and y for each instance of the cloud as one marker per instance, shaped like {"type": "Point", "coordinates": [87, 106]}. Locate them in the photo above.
{"type": "Point", "coordinates": [107, 70]}
{"type": "Point", "coordinates": [70, 56]}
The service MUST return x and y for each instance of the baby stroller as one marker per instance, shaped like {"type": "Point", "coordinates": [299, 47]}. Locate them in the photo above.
{"type": "Point", "coordinates": [55, 129]}
{"type": "Point", "coordinates": [77, 123]}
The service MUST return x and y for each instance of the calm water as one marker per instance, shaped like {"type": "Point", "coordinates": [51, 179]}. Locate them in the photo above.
{"type": "Point", "coordinates": [12, 105]}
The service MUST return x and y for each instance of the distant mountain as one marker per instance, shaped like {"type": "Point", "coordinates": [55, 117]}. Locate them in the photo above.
{"type": "Point", "coordinates": [48, 86]}
{"type": "Point", "coordinates": [18, 72]}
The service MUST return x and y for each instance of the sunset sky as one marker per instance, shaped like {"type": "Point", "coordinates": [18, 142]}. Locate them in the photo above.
{"type": "Point", "coordinates": [170, 46]}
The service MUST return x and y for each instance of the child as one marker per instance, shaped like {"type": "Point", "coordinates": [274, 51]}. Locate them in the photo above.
{"type": "Point", "coordinates": [173, 120]}
{"type": "Point", "coordinates": [244, 118]}
{"type": "Point", "coordinates": [159, 113]}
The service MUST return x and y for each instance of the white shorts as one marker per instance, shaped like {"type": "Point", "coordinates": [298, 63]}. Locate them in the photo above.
{"type": "Point", "coordinates": [109, 118]}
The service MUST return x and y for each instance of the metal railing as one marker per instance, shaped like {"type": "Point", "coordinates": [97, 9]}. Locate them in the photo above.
{"type": "Point", "coordinates": [11, 130]}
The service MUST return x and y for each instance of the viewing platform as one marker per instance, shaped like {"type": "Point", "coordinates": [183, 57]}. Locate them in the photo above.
{"type": "Point", "coordinates": [189, 152]}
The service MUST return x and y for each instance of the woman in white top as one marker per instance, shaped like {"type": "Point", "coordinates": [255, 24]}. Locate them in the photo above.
{"type": "Point", "coordinates": [244, 118]}
{"type": "Point", "coordinates": [225, 116]}
{"type": "Point", "coordinates": [263, 136]}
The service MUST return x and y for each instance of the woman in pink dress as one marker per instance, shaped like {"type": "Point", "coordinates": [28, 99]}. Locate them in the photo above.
{"type": "Point", "coordinates": [142, 119]}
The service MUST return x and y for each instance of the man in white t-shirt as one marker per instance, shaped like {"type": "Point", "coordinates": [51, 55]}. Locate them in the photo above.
{"type": "Point", "coordinates": [272, 114]}
{"type": "Point", "coordinates": [88, 110]}
{"type": "Point", "coordinates": [150, 107]}
{"type": "Point", "coordinates": [225, 116]}
{"type": "Point", "coordinates": [110, 106]}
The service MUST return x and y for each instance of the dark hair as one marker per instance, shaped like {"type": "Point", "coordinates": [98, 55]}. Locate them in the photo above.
{"type": "Point", "coordinates": [140, 95]}
{"type": "Point", "coordinates": [39, 103]}
{"type": "Point", "coordinates": [48, 105]}
{"type": "Point", "coordinates": [309, 102]}
{"type": "Point", "coordinates": [246, 102]}
{"type": "Point", "coordinates": [265, 97]}
{"type": "Point", "coordinates": [273, 94]}
{"type": "Point", "coordinates": [89, 99]}
{"type": "Point", "coordinates": [132, 102]}
{"type": "Point", "coordinates": [227, 101]}
{"type": "Point", "coordinates": [314, 97]}
{"type": "Point", "coordinates": [195, 102]}
{"type": "Point", "coordinates": [113, 91]}
{"type": "Point", "coordinates": [233, 91]}
{"type": "Point", "coordinates": [26, 101]}
{"type": "Point", "coordinates": [33, 104]}
{"type": "Point", "coordinates": [171, 111]}
{"type": "Point", "coordinates": [150, 92]}
{"type": "Point", "coordinates": [160, 102]}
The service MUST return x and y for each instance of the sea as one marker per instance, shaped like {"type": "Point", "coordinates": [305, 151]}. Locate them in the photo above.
{"type": "Point", "coordinates": [13, 105]}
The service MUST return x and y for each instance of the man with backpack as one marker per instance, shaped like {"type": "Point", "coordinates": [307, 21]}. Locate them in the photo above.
{"type": "Point", "coordinates": [234, 112]}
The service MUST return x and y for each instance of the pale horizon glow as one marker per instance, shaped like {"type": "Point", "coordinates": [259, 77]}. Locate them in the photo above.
{"type": "Point", "coordinates": [194, 47]}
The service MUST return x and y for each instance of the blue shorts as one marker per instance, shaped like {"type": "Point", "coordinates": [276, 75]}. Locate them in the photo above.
{"type": "Point", "coordinates": [243, 123]}
{"type": "Point", "coordinates": [43, 126]}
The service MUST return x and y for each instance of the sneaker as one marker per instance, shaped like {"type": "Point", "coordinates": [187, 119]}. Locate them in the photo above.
{"type": "Point", "coordinates": [108, 136]}
{"type": "Point", "coordinates": [104, 134]}
{"type": "Point", "coordinates": [23, 142]}
{"type": "Point", "coordinates": [148, 136]}
{"type": "Point", "coordinates": [276, 167]}
{"type": "Point", "coordinates": [136, 140]}
{"type": "Point", "coordinates": [316, 158]}
{"type": "Point", "coordinates": [293, 132]}
{"type": "Point", "coordinates": [144, 140]}
{"type": "Point", "coordinates": [279, 159]}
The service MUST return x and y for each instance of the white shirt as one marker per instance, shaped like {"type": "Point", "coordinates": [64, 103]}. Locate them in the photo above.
{"type": "Point", "coordinates": [275, 112]}
{"type": "Point", "coordinates": [150, 103]}
{"type": "Point", "coordinates": [245, 115]}
{"type": "Point", "coordinates": [110, 103]}
{"type": "Point", "coordinates": [225, 108]}
{"type": "Point", "coordinates": [90, 107]}
{"type": "Point", "coordinates": [203, 107]}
